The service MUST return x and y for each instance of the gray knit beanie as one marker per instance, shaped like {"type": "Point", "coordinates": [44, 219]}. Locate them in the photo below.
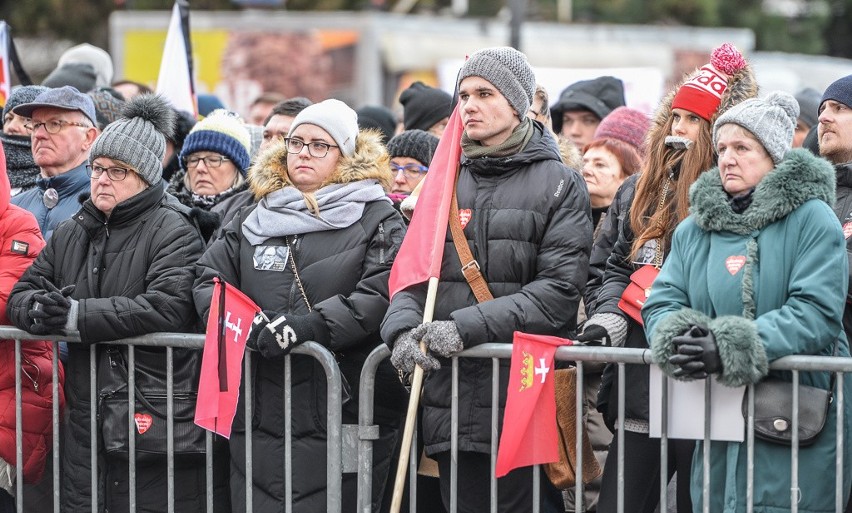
{"type": "Point", "coordinates": [336, 118]}
{"type": "Point", "coordinates": [508, 70]}
{"type": "Point", "coordinates": [139, 137]}
{"type": "Point", "coordinates": [21, 95]}
{"type": "Point", "coordinates": [772, 121]}
{"type": "Point", "coordinates": [415, 144]}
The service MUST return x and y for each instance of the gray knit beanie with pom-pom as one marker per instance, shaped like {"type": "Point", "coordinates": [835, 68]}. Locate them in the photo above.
{"type": "Point", "coordinates": [138, 138]}
{"type": "Point", "coordinates": [772, 121]}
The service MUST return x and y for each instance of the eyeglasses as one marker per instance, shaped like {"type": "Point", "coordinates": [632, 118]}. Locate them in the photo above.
{"type": "Point", "coordinates": [115, 174]}
{"type": "Point", "coordinates": [411, 171]}
{"type": "Point", "coordinates": [53, 126]}
{"type": "Point", "coordinates": [210, 161]}
{"type": "Point", "coordinates": [315, 149]}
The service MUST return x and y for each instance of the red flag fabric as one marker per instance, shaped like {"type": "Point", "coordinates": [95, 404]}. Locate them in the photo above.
{"type": "Point", "coordinates": [419, 257]}
{"type": "Point", "coordinates": [217, 401]}
{"type": "Point", "coordinates": [530, 434]}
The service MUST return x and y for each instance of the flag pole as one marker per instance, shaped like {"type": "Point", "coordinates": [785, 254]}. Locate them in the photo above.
{"type": "Point", "coordinates": [413, 404]}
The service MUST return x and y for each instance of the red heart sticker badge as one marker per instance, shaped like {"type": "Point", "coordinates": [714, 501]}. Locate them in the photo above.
{"type": "Point", "coordinates": [735, 263]}
{"type": "Point", "coordinates": [464, 216]}
{"type": "Point", "coordinates": [847, 230]}
{"type": "Point", "coordinates": [143, 422]}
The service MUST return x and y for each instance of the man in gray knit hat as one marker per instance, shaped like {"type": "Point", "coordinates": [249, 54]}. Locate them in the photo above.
{"type": "Point", "coordinates": [527, 220]}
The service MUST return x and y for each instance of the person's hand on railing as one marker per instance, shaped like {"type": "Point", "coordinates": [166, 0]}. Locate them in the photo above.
{"type": "Point", "coordinates": [440, 337]}
{"type": "Point", "coordinates": [53, 311]}
{"type": "Point", "coordinates": [609, 329]}
{"type": "Point", "coordinates": [697, 355]}
{"type": "Point", "coordinates": [406, 354]}
{"type": "Point", "coordinates": [274, 335]}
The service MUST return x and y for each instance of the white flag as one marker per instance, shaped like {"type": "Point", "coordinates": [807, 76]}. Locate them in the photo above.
{"type": "Point", "coordinates": [175, 79]}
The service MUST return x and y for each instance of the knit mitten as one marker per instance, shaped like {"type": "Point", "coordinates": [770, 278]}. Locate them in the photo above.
{"type": "Point", "coordinates": [440, 337]}
{"type": "Point", "coordinates": [274, 335]}
{"type": "Point", "coordinates": [406, 354]}
{"type": "Point", "coordinates": [607, 328]}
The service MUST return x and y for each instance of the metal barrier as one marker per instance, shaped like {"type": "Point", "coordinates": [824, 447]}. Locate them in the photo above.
{"type": "Point", "coordinates": [170, 341]}
{"type": "Point", "coordinates": [367, 431]}
{"type": "Point", "coordinates": [620, 357]}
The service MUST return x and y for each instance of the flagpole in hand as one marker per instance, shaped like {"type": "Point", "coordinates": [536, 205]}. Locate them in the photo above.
{"type": "Point", "coordinates": [413, 404]}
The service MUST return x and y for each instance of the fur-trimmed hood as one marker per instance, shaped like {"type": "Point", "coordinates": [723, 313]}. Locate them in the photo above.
{"type": "Point", "coordinates": [370, 161]}
{"type": "Point", "coordinates": [741, 86]}
{"type": "Point", "coordinates": [800, 177]}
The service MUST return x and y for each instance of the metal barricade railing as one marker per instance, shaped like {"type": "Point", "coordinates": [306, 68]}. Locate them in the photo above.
{"type": "Point", "coordinates": [171, 341]}
{"type": "Point", "coordinates": [621, 357]}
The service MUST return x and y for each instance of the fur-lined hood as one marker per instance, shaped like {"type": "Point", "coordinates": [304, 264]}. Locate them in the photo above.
{"type": "Point", "coordinates": [800, 177]}
{"type": "Point", "coordinates": [370, 160]}
{"type": "Point", "coordinates": [741, 86]}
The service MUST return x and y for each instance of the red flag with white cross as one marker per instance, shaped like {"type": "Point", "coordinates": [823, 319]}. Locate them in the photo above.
{"type": "Point", "coordinates": [228, 325]}
{"type": "Point", "coordinates": [530, 435]}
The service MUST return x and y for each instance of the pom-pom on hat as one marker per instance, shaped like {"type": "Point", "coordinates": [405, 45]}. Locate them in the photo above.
{"type": "Point", "coordinates": [424, 106]}
{"type": "Point", "coordinates": [336, 118]}
{"type": "Point", "coordinates": [222, 132]}
{"type": "Point", "coordinates": [626, 125]}
{"type": "Point", "coordinates": [138, 138]}
{"type": "Point", "coordinates": [506, 69]}
{"type": "Point", "coordinates": [772, 120]}
{"type": "Point", "coordinates": [415, 144]}
{"type": "Point", "coordinates": [702, 94]}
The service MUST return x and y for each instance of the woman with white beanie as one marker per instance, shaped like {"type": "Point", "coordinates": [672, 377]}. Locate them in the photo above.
{"type": "Point", "coordinates": [757, 272]}
{"type": "Point", "coordinates": [315, 254]}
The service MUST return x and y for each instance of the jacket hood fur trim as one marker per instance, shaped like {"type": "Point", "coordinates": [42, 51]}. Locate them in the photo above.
{"type": "Point", "coordinates": [800, 177]}
{"type": "Point", "coordinates": [370, 161]}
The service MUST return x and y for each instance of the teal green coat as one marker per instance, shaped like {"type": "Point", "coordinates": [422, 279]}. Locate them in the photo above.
{"type": "Point", "coordinates": [769, 282]}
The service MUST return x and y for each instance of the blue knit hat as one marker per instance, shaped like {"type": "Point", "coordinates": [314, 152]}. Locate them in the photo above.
{"type": "Point", "coordinates": [840, 91]}
{"type": "Point", "coordinates": [222, 132]}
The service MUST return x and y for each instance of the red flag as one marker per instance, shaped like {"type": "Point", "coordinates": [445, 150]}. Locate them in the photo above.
{"type": "Point", "coordinates": [222, 362]}
{"type": "Point", "coordinates": [422, 250]}
{"type": "Point", "coordinates": [529, 423]}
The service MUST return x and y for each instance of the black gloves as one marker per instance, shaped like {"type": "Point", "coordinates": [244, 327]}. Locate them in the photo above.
{"type": "Point", "coordinates": [276, 335]}
{"type": "Point", "coordinates": [52, 310]}
{"type": "Point", "coordinates": [609, 329]}
{"type": "Point", "coordinates": [697, 355]}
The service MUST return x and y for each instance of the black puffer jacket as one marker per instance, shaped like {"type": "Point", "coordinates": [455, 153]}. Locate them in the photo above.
{"type": "Point", "coordinates": [530, 229]}
{"type": "Point", "coordinates": [843, 209]}
{"type": "Point", "coordinates": [133, 274]}
{"type": "Point", "coordinates": [345, 277]}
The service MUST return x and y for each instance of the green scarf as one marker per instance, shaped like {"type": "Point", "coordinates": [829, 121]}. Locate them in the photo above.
{"type": "Point", "coordinates": [521, 135]}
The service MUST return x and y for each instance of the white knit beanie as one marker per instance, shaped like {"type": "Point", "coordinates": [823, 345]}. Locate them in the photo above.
{"type": "Point", "coordinates": [336, 118]}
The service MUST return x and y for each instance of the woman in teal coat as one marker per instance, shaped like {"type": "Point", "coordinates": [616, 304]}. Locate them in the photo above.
{"type": "Point", "coordinates": [757, 272]}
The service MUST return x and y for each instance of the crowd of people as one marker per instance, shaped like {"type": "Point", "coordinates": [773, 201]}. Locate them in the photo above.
{"type": "Point", "coordinates": [117, 213]}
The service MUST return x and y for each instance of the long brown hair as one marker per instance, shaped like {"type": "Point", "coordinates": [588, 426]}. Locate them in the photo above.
{"type": "Point", "coordinates": [653, 217]}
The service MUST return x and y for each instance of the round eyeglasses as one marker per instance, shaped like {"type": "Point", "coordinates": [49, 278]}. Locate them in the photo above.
{"type": "Point", "coordinates": [53, 126]}
{"type": "Point", "coordinates": [316, 149]}
{"type": "Point", "coordinates": [411, 171]}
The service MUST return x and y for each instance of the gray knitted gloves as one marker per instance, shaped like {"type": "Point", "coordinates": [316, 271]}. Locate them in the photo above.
{"type": "Point", "coordinates": [441, 337]}
{"type": "Point", "coordinates": [610, 328]}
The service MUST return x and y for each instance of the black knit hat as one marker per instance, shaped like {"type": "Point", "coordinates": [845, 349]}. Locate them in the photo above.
{"type": "Point", "coordinates": [600, 96]}
{"type": "Point", "coordinates": [840, 91]}
{"type": "Point", "coordinates": [424, 106]}
{"type": "Point", "coordinates": [415, 144]}
{"type": "Point", "coordinates": [378, 118]}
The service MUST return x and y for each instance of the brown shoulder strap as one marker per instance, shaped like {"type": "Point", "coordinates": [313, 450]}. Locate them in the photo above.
{"type": "Point", "coordinates": [470, 267]}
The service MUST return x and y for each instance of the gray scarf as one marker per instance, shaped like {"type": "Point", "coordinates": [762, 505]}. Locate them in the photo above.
{"type": "Point", "coordinates": [20, 166]}
{"type": "Point", "coordinates": [517, 141]}
{"type": "Point", "coordinates": [285, 212]}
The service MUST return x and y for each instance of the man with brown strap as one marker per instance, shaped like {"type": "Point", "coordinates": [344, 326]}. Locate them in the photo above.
{"type": "Point", "coordinates": [525, 220]}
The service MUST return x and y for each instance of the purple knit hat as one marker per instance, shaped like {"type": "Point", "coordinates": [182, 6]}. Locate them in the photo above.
{"type": "Point", "coordinates": [626, 125]}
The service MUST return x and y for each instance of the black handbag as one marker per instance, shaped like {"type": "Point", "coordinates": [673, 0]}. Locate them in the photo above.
{"type": "Point", "coordinates": [773, 410]}
{"type": "Point", "coordinates": [150, 406]}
